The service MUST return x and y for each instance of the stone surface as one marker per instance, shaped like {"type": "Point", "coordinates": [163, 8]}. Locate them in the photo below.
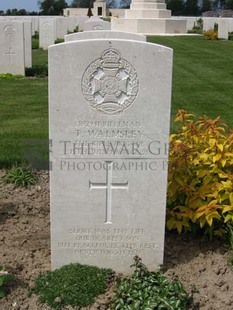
{"type": "Point", "coordinates": [47, 32]}
{"type": "Point", "coordinates": [208, 23]}
{"type": "Point", "coordinates": [12, 47]}
{"type": "Point", "coordinates": [100, 8]}
{"type": "Point", "coordinates": [149, 17]}
{"type": "Point", "coordinates": [224, 26]}
{"type": "Point", "coordinates": [28, 43]}
{"type": "Point", "coordinates": [96, 24]}
{"type": "Point", "coordinates": [62, 27]}
{"type": "Point", "coordinates": [89, 35]}
{"type": "Point", "coordinates": [109, 125]}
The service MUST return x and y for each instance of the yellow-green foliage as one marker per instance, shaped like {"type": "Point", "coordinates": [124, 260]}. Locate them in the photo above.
{"type": "Point", "coordinates": [210, 34]}
{"type": "Point", "coordinates": [200, 181]}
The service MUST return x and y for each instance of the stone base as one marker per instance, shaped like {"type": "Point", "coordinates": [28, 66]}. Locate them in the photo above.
{"type": "Point", "coordinates": [149, 25]}
{"type": "Point", "coordinates": [148, 13]}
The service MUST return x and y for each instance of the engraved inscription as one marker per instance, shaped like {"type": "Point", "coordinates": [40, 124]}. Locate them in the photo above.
{"type": "Point", "coordinates": [97, 27]}
{"type": "Point", "coordinates": [10, 54]}
{"type": "Point", "coordinates": [108, 241]}
{"type": "Point", "coordinates": [46, 24]}
{"type": "Point", "coordinates": [10, 33]}
{"type": "Point", "coordinates": [110, 83]}
{"type": "Point", "coordinates": [108, 186]}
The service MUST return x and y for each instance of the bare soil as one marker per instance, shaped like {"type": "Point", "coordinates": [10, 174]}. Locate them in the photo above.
{"type": "Point", "coordinates": [25, 252]}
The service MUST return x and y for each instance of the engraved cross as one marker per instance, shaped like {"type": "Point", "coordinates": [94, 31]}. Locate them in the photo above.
{"type": "Point", "coordinates": [10, 53]}
{"type": "Point", "coordinates": [108, 186]}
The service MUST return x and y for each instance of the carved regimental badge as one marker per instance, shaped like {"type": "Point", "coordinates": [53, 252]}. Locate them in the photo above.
{"type": "Point", "coordinates": [110, 83]}
{"type": "Point", "coordinates": [10, 33]}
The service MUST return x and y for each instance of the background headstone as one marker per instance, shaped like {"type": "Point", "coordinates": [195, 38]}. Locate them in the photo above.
{"type": "Point", "coordinates": [12, 47]}
{"type": "Point", "coordinates": [89, 35]}
{"type": "Point", "coordinates": [47, 32]}
{"type": "Point", "coordinates": [109, 128]}
{"type": "Point", "coordinates": [62, 27]}
{"type": "Point", "coordinates": [223, 28]}
{"type": "Point", "coordinates": [28, 43]}
{"type": "Point", "coordinates": [96, 24]}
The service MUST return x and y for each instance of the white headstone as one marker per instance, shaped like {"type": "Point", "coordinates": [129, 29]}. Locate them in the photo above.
{"type": "Point", "coordinates": [96, 24]}
{"type": "Point", "coordinates": [12, 47]}
{"type": "Point", "coordinates": [47, 32]}
{"type": "Point", "coordinates": [208, 23]}
{"type": "Point", "coordinates": [62, 27]}
{"type": "Point", "coordinates": [28, 43]}
{"type": "Point", "coordinates": [89, 35]}
{"type": "Point", "coordinates": [109, 128]}
{"type": "Point", "coordinates": [223, 28]}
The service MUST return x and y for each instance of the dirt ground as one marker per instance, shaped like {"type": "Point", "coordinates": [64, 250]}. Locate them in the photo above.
{"type": "Point", "coordinates": [25, 252]}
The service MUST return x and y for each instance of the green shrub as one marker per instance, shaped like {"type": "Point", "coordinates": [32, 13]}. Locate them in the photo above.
{"type": "Point", "coordinates": [146, 290]}
{"type": "Point", "coordinates": [230, 36]}
{"type": "Point", "coordinates": [59, 40]}
{"type": "Point", "coordinates": [10, 76]}
{"type": "Point", "coordinates": [76, 285]}
{"type": "Point", "coordinates": [38, 71]}
{"type": "Point", "coordinates": [36, 35]}
{"type": "Point", "coordinates": [35, 44]}
{"type": "Point", "coordinates": [210, 34]}
{"type": "Point", "coordinates": [5, 280]}
{"type": "Point", "coordinates": [106, 19]}
{"type": "Point", "coordinates": [21, 176]}
{"type": "Point", "coordinates": [200, 177]}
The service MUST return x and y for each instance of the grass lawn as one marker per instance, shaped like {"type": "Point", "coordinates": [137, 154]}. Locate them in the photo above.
{"type": "Point", "coordinates": [202, 75]}
{"type": "Point", "coordinates": [24, 115]}
{"type": "Point", "coordinates": [202, 84]}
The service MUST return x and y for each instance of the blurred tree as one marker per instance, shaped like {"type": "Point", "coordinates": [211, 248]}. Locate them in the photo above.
{"type": "Point", "coordinates": [191, 8]}
{"type": "Point", "coordinates": [82, 4]}
{"type": "Point", "coordinates": [206, 5]}
{"type": "Point", "coordinates": [176, 6]}
{"type": "Point", "coordinates": [52, 7]}
{"type": "Point", "coordinates": [229, 5]}
{"type": "Point", "coordinates": [22, 12]}
{"type": "Point", "coordinates": [124, 4]}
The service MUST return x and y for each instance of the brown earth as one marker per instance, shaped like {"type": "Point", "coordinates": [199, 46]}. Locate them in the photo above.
{"type": "Point", "coordinates": [25, 252]}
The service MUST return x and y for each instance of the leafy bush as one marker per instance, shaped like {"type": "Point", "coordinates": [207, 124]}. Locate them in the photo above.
{"type": "Point", "coordinates": [36, 35]}
{"type": "Point", "coordinates": [38, 71]}
{"type": "Point", "coordinates": [148, 291]}
{"type": "Point", "coordinates": [21, 176]}
{"type": "Point", "coordinates": [200, 177]}
{"type": "Point", "coordinates": [230, 36]}
{"type": "Point", "coordinates": [59, 40]}
{"type": "Point", "coordinates": [76, 285]}
{"type": "Point", "coordinates": [10, 76]}
{"type": "Point", "coordinates": [5, 280]}
{"type": "Point", "coordinates": [210, 34]}
{"type": "Point", "coordinates": [35, 44]}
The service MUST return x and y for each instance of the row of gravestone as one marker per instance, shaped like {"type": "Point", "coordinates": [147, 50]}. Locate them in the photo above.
{"type": "Point", "coordinates": [16, 38]}
{"type": "Point", "coordinates": [48, 28]}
